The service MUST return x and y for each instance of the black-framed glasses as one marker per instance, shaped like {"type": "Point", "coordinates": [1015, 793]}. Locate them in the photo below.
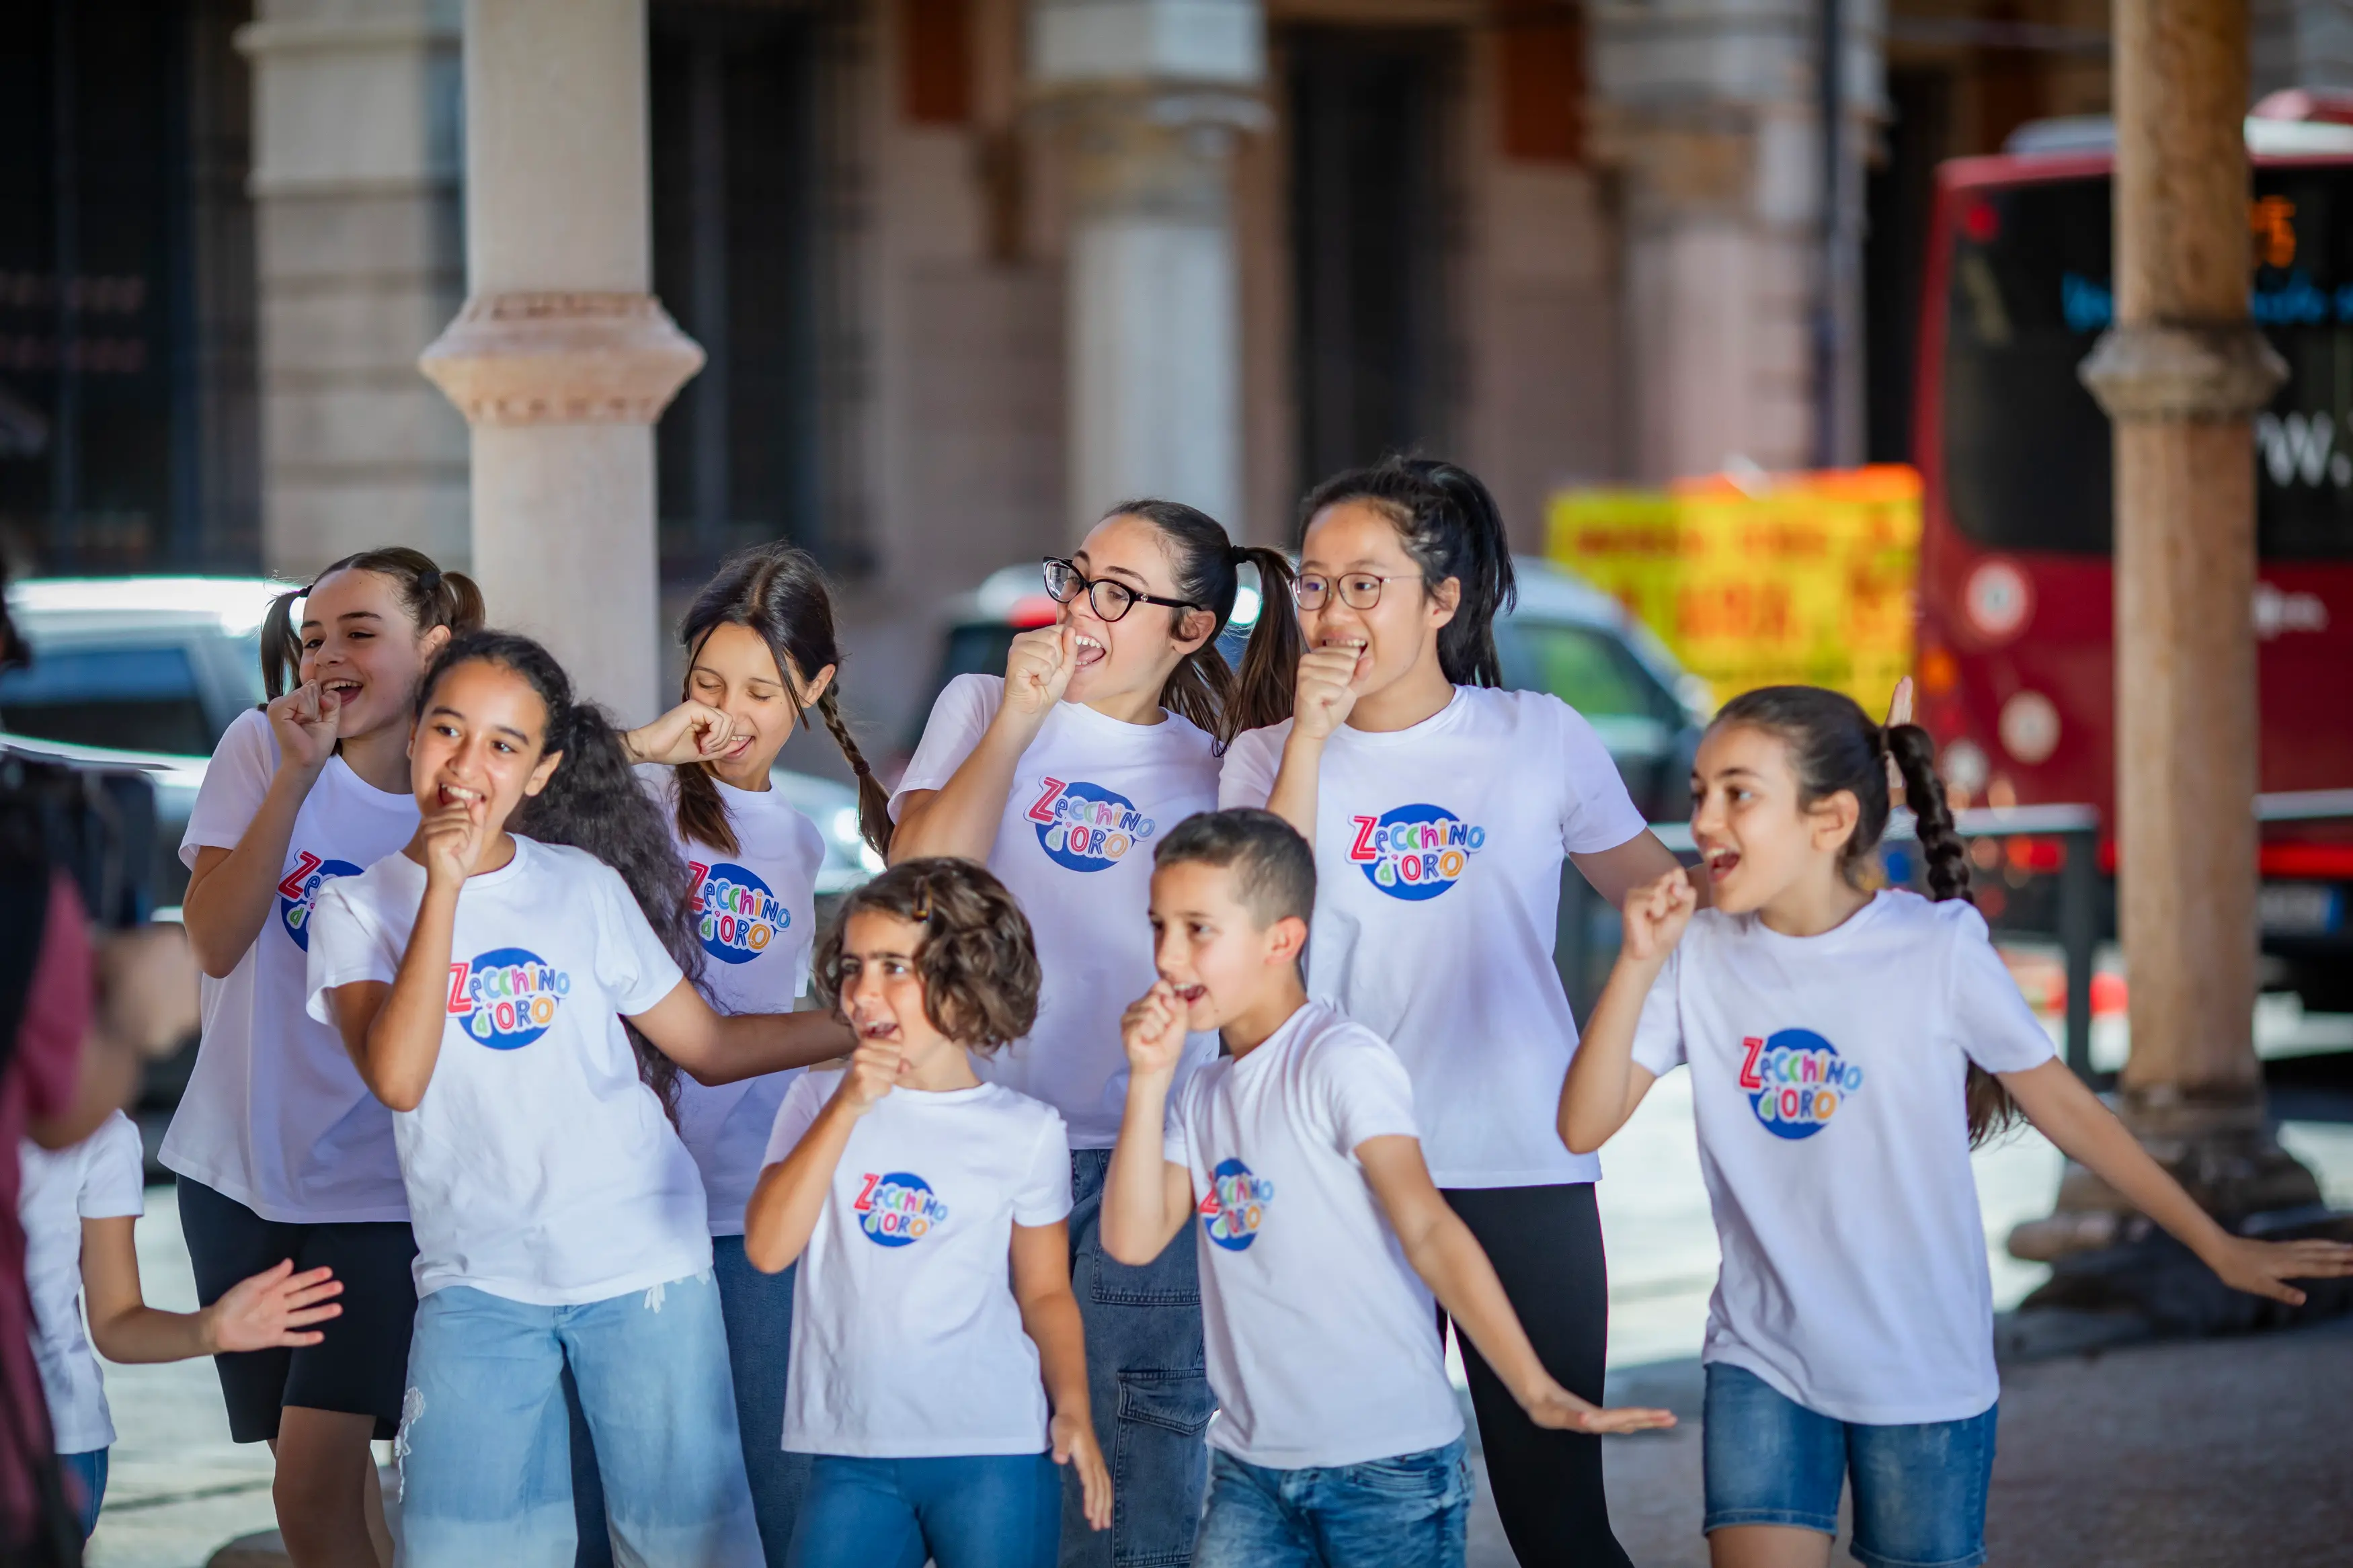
{"type": "Point", "coordinates": [1358, 590]}
{"type": "Point", "coordinates": [1111, 599]}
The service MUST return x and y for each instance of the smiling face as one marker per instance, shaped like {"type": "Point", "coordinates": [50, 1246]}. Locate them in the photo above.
{"type": "Point", "coordinates": [1756, 840]}
{"type": "Point", "coordinates": [360, 643]}
{"type": "Point", "coordinates": [1134, 656]}
{"type": "Point", "coordinates": [481, 737]}
{"type": "Point", "coordinates": [1213, 950]}
{"type": "Point", "coordinates": [882, 991]}
{"type": "Point", "coordinates": [1398, 635]}
{"type": "Point", "coordinates": [735, 670]}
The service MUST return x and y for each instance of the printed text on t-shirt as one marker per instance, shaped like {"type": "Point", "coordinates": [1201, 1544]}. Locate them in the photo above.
{"type": "Point", "coordinates": [737, 915]}
{"type": "Point", "coordinates": [1796, 1081]}
{"type": "Point", "coordinates": [299, 893]}
{"type": "Point", "coordinates": [1235, 1206]}
{"type": "Point", "coordinates": [1086, 827]}
{"type": "Point", "coordinates": [1415, 852]}
{"type": "Point", "coordinates": [507, 997]}
{"type": "Point", "coordinates": [897, 1209]}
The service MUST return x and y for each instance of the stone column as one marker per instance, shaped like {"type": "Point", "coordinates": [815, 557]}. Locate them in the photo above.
{"type": "Point", "coordinates": [2181, 374]}
{"type": "Point", "coordinates": [561, 360]}
{"type": "Point", "coordinates": [355, 181]}
{"type": "Point", "coordinates": [1149, 95]}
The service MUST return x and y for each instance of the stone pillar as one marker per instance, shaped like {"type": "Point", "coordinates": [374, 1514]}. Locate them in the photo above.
{"type": "Point", "coordinates": [1149, 95]}
{"type": "Point", "coordinates": [561, 360]}
{"type": "Point", "coordinates": [354, 183]}
{"type": "Point", "coordinates": [2181, 374]}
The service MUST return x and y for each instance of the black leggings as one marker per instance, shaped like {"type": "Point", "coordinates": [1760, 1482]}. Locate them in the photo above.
{"type": "Point", "coordinates": [1546, 1244]}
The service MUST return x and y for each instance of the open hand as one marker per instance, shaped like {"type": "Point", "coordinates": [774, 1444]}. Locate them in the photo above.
{"type": "Point", "coordinates": [2265, 1268]}
{"type": "Point", "coordinates": [1656, 913]}
{"type": "Point", "coordinates": [273, 1308]}
{"type": "Point", "coordinates": [1324, 694]}
{"type": "Point", "coordinates": [1037, 669]}
{"type": "Point", "coordinates": [305, 723]}
{"type": "Point", "coordinates": [874, 1068]}
{"type": "Point", "coordinates": [452, 840]}
{"type": "Point", "coordinates": [1550, 1405]}
{"type": "Point", "coordinates": [690, 732]}
{"type": "Point", "coordinates": [1153, 1030]}
{"type": "Point", "coordinates": [1074, 1443]}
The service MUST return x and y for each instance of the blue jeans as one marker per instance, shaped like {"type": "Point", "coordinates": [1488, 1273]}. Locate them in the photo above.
{"type": "Point", "coordinates": [1147, 1386]}
{"type": "Point", "coordinates": [88, 1489]}
{"type": "Point", "coordinates": [1919, 1491]}
{"type": "Point", "coordinates": [1410, 1511]}
{"type": "Point", "coordinates": [993, 1510]}
{"type": "Point", "coordinates": [484, 1445]}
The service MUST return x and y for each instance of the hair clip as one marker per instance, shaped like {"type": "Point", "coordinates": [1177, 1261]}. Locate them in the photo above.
{"type": "Point", "coordinates": [923, 905]}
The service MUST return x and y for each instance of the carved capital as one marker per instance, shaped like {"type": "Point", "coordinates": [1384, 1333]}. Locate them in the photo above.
{"type": "Point", "coordinates": [561, 358]}
{"type": "Point", "coordinates": [1161, 148]}
{"type": "Point", "coordinates": [2182, 372]}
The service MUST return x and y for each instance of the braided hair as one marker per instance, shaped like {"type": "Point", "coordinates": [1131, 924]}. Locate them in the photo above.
{"type": "Point", "coordinates": [1835, 746]}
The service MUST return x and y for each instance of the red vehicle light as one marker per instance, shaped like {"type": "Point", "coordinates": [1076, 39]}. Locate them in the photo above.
{"type": "Point", "coordinates": [1036, 610]}
{"type": "Point", "coordinates": [2329, 860]}
{"type": "Point", "coordinates": [1981, 222]}
{"type": "Point", "coordinates": [2026, 854]}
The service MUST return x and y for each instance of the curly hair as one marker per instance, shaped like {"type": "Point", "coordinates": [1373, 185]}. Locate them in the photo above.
{"type": "Point", "coordinates": [978, 959]}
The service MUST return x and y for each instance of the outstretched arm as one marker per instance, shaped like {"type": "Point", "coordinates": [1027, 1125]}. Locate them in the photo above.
{"type": "Point", "coordinates": [723, 1048]}
{"type": "Point", "coordinates": [2088, 1133]}
{"type": "Point", "coordinates": [273, 1308]}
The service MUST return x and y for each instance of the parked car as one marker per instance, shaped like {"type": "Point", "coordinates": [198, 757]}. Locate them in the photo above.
{"type": "Point", "coordinates": [1564, 637]}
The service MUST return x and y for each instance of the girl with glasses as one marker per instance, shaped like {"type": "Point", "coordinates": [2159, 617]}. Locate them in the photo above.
{"type": "Point", "coordinates": [1440, 810]}
{"type": "Point", "coordinates": [1102, 734]}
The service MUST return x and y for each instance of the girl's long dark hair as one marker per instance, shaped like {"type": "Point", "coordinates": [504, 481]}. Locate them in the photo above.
{"type": "Point", "coordinates": [1207, 568]}
{"type": "Point", "coordinates": [593, 802]}
{"type": "Point", "coordinates": [1833, 746]}
{"type": "Point", "coordinates": [433, 598]}
{"type": "Point", "coordinates": [778, 591]}
{"type": "Point", "coordinates": [1451, 526]}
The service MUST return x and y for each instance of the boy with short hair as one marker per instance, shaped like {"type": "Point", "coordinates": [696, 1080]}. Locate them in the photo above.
{"type": "Point", "coordinates": [1322, 1238]}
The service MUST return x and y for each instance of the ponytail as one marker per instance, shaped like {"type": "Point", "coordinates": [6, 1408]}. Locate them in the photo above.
{"type": "Point", "coordinates": [593, 802]}
{"type": "Point", "coordinates": [1449, 523]}
{"type": "Point", "coordinates": [431, 596]}
{"type": "Point", "coordinates": [1835, 746]}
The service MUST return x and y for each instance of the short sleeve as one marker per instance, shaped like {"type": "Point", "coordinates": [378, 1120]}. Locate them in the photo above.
{"type": "Point", "coordinates": [1247, 775]}
{"type": "Point", "coordinates": [1365, 1090]}
{"type": "Point", "coordinates": [636, 969]}
{"type": "Point", "coordinates": [58, 1004]}
{"type": "Point", "coordinates": [235, 780]}
{"type": "Point", "coordinates": [960, 717]}
{"type": "Point", "coordinates": [1659, 1032]}
{"type": "Point", "coordinates": [1044, 1195]}
{"type": "Point", "coordinates": [797, 1113]}
{"type": "Point", "coordinates": [114, 1180]}
{"type": "Point", "coordinates": [1596, 813]}
{"type": "Point", "coordinates": [1991, 1022]}
{"type": "Point", "coordinates": [346, 948]}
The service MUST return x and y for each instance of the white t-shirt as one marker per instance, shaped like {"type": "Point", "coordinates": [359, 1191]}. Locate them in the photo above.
{"type": "Point", "coordinates": [1438, 864]}
{"type": "Point", "coordinates": [275, 1115]}
{"type": "Point", "coordinates": [98, 1178]}
{"type": "Point", "coordinates": [907, 1340]}
{"type": "Point", "coordinates": [1089, 799]}
{"type": "Point", "coordinates": [758, 910]}
{"type": "Point", "coordinates": [540, 1168]}
{"type": "Point", "coordinates": [1826, 1082]}
{"type": "Point", "coordinates": [1321, 1341]}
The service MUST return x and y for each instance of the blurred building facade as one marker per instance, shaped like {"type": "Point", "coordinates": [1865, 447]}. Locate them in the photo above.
{"type": "Point", "coordinates": [964, 272]}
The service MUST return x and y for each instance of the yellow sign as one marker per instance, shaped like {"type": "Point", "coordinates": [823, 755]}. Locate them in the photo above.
{"type": "Point", "coordinates": [1782, 578]}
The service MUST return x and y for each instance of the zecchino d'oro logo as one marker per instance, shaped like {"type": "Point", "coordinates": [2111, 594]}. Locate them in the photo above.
{"type": "Point", "coordinates": [1235, 1206]}
{"type": "Point", "coordinates": [736, 914]}
{"type": "Point", "coordinates": [1086, 827]}
{"type": "Point", "coordinates": [1796, 1081]}
{"type": "Point", "coordinates": [1415, 852]}
{"type": "Point", "coordinates": [299, 893]}
{"type": "Point", "coordinates": [507, 997]}
{"type": "Point", "coordinates": [898, 1209]}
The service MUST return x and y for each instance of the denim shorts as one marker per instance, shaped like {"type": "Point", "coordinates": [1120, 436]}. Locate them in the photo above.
{"type": "Point", "coordinates": [1410, 1512]}
{"type": "Point", "coordinates": [1919, 1491]}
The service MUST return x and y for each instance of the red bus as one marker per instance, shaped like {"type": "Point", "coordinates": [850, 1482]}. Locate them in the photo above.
{"type": "Point", "coordinates": [2016, 596]}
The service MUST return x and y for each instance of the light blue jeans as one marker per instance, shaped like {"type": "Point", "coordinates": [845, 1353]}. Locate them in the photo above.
{"type": "Point", "coordinates": [484, 1446]}
{"type": "Point", "coordinates": [1410, 1511]}
{"type": "Point", "coordinates": [88, 1470]}
{"type": "Point", "coordinates": [990, 1511]}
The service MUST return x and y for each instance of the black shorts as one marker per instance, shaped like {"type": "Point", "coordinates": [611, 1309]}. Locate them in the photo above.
{"type": "Point", "coordinates": [361, 1367]}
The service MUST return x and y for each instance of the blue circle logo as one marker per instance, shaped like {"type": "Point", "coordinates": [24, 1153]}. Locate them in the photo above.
{"type": "Point", "coordinates": [507, 998]}
{"type": "Point", "coordinates": [897, 1210]}
{"type": "Point", "coordinates": [1415, 852]}
{"type": "Point", "coordinates": [1796, 1081]}
{"type": "Point", "coordinates": [300, 891]}
{"type": "Point", "coordinates": [736, 914]}
{"type": "Point", "coordinates": [1235, 1206]}
{"type": "Point", "coordinates": [1085, 827]}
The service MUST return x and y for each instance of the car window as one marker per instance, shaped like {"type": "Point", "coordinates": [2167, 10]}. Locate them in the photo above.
{"type": "Point", "coordinates": [130, 699]}
{"type": "Point", "coordinates": [1583, 666]}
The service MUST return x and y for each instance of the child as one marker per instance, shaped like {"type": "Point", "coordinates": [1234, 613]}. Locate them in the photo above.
{"type": "Point", "coordinates": [1322, 1238]}
{"type": "Point", "coordinates": [1442, 812]}
{"type": "Point", "coordinates": [78, 1207]}
{"type": "Point", "coordinates": [1839, 1042]}
{"type": "Point", "coordinates": [281, 1151]}
{"type": "Point", "coordinates": [938, 1369]}
{"type": "Point", "coordinates": [1104, 730]}
{"type": "Point", "coordinates": [480, 979]}
{"type": "Point", "coordinates": [760, 654]}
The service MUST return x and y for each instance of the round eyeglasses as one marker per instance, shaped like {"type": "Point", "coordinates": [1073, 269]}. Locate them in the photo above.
{"type": "Point", "coordinates": [1111, 599]}
{"type": "Point", "coordinates": [1357, 590]}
